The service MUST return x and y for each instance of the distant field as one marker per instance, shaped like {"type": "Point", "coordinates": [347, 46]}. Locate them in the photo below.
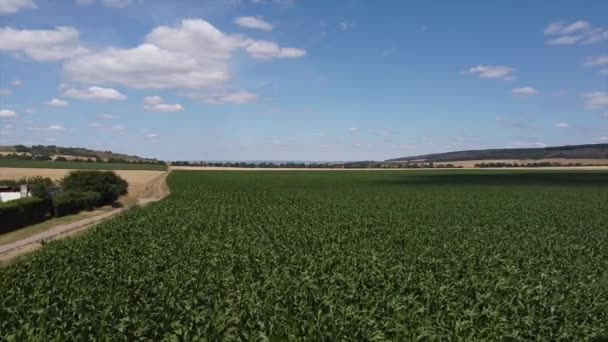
{"type": "Point", "coordinates": [78, 165]}
{"type": "Point", "coordinates": [330, 256]}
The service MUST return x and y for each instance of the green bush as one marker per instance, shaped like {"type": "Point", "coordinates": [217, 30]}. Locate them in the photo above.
{"type": "Point", "coordinates": [107, 183]}
{"type": "Point", "coordinates": [71, 202]}
{"type": "Point", "coordinates": [22, 212]}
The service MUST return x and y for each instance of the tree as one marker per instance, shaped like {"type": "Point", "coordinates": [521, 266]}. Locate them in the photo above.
{"type": "Point", "coordinates": [107, 183]}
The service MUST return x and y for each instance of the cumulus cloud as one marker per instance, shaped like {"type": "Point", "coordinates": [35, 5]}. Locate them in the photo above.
{"type": "Point", "coordinates": [16, 83]}
{"type": "Point", "coordinates": [578, 32]}
{"type": "Point", "coordinates": [354, 129]}
{"type": "Point", "coordinates": [156, 104]}
{"type": "Point", "coordinates": [6, 113]}
{"type": "Point", "coordinates": [526, 91]}
{"type": "Point", "coordinates": [152, 135]}
{"type": "Point", "coordinates": [253, 23]}
{"type": "Point", "coordinates": [95, 94]}
{"type": "Point", "coordinates": [57, 128]}
{"type": "Point", "coordinates": [595, 61]}
{"type": "Point", "coordinates": [239, 97]}
{"type": "Point", "coordinates": [14, 6]}
{"type": "Point", "coordinates": [267, 50]}
{"type": "Point", "coordinates": [561, 125]}
{"type": "Point", "coordinates": [5, 92]}
{"type": "Point", "coordinates": [42, 45]}
{"type": "Point", "coordinates": [55, 102]}
{"type": "Point", "coordinates": [563, 28]}
{"type": "Point", "coordinates": [107, 3]}
{"type": "Point", "coordinates": [596, 100]}
{"type": "Point", "coordinates": [602, 139]}
{"type": "Point", "coordinates": [598, 62]}
{"type": "Point", "coordinates": [492, 72]}
{"type": "Point", "coordinates": [192, 55]}
{"type": "Point", "coordinates": [347, 25]}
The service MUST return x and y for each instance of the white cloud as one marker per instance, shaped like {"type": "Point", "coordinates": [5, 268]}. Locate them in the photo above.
{"type": "Point", "coordinates": [565, 40]}
{"type": "Point", "coordinates": [602, 139]}
{"type": "Point", "coordinates": [109, 116]}
{"type": "Point", "coordinates": [155, 104]}
{"type": "Point", "coordinates": [42, 45]}
{"type": "Point", "coordinates": [95, 124]}
{"type": "Point", "coordinates": [282, 3]}
{"type": "Point", "coordinates": [520, 144]}
{"type": "Point", "coordinates": [8, 126]}
{"type": "Point", "coordinates": [561, 125]}
{"type": "Point", "coordinates": [57, 128]}
{"type": "Point", "coordinates": [254, 23]}
{"type": "Point", "coordinates": [526, 91]}
{"type": "Point", "coordinates": [598, 61]}
{"type": "Point", "coordinates": [106, 3]}
{"type": "Point", "coordinates": [385, 132]}
{"type": "Point", "coordinates": [492, 72]}
{"type": "Point", "coordinates": [347, 25]}
{"type": "Point", "coordinates": [16, 83]}
{"type": "Point", "coordinates": [29, 111]}
{"type": "Point", "coordinates": [5, 113]}
{"type": "Point", "coordinates": [55, 102]}
{"type": "Point", "coordinates": [563, 28]}
{"type": "Point", "coordinates": [596, 100]}
{"type": "Point", "coordinates": [192, 55]}
{"type": "Point", "coordinates": [578, 32]}
{"type": "Point", "coordinates": [95, 94]}
{"type": "Point", "coordinates": [5, 92]}
{"type": "Point", "coordinates": [118, 128]}
{"type": "Point", "coordinates": [116, 3]}
{"type": "Point", "coordinates": [354, 129]}
{"type": "Point", "coordinates": [267, 50]}
{"type": "Point", "coordinates": [152, 135]}
{"type": "Point", "coordinates": [239, 97]}
{"type": "Point", "coordinates": [153, 100]}
{"type": "Point", "coordinates": [595, 61]}
{"type": "Point", "coordinates": [14, 6]}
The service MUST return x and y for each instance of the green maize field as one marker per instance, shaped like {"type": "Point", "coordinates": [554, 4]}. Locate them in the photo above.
{"type": "Point", "coordinates": [42, 164]}
{"type": "Point", "coordinates": [329, 256]}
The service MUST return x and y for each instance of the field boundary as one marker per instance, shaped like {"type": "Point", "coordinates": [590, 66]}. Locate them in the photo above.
{"type": "Point", "coordinates": [548, 168]}
{"type": "Point", "coordinates": [157, 190]}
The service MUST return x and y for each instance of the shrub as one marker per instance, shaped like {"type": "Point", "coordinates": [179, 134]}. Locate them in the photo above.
{"type": "Point", "coordinates": [71, 202]}
{"type": "Point", "coordinates": [22, 212]}
{"type": "Point", "coordinates": [107, 183]}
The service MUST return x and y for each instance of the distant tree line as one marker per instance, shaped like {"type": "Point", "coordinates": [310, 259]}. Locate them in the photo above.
{"type": "Point", "coordinates": [42, 152]}
{"type": "Point", "coordinates": [94, 159]}
{"type": "Point", "coordinates": [294, 165]}
{"type": "Point", "coordinates": [536, 164]}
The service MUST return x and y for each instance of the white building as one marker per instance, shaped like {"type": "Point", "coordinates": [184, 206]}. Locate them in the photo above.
{"type": "Point", "coordinates": [9, 193]}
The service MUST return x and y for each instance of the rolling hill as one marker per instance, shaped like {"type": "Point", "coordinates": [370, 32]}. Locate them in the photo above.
{"type": "Point", "coordinates": [590, 151]}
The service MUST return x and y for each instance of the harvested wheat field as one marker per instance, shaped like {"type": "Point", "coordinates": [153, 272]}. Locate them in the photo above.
{"type": "Point", "coordinates": [139, 180]}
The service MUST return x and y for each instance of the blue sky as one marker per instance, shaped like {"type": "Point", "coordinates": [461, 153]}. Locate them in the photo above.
{"type": "Point", "coordinates": [302, 79]}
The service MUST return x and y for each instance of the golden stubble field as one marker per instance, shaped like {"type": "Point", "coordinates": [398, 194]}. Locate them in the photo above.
{"type": "Point", "coordinates": [139, 180]}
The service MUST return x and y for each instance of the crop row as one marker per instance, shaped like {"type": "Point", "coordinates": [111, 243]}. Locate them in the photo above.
{"type": "Point", "coordinates": [330, 256]}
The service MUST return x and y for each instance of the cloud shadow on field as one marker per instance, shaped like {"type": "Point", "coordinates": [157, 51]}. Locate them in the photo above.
{"type": "Point", "coordinates": [498, 178]}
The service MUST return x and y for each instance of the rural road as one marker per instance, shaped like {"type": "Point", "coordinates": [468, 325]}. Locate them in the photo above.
{"type": "Point", "coordinates": [156, 190]}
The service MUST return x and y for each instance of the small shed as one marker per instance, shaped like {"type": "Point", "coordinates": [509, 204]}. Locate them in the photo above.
{"type": "Point", "coordinates": [10, 192]}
